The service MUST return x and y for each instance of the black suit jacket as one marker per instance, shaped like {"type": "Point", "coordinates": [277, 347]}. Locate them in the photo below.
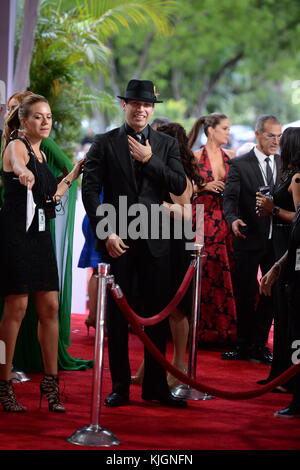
{"type": "Point", "coordinates": [243, 179]}
{"type": "Point", "coordinates": [109, 166]}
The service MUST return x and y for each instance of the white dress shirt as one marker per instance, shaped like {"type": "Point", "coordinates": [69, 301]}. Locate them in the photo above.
{"type": "Point", "coordinates": [261, 157]}
{"type": "Point", "coordinates": [263, 164]}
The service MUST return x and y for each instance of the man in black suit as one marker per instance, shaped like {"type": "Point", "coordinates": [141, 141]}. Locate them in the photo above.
{"type": "Point", "coordinates": [252, 244]}
{"type": "Point", "coordinates": [134, 164]}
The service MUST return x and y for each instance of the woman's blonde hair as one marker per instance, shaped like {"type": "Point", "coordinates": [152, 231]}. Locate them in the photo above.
{"type": "Point", "coordinates": [13, 122]}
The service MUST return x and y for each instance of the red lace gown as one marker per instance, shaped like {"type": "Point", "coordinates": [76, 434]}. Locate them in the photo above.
{"type": "Point", "coordinates": [217, 311]}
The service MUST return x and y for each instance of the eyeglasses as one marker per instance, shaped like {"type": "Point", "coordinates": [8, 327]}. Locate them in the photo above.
{"type": "Point", "coordinates": [272, 136]}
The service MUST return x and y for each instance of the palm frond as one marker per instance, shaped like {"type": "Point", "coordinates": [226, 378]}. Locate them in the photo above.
{"type": "Point", "coordinates": [110, 16]}
{"type": "Point", "coordinates": [71, 44]}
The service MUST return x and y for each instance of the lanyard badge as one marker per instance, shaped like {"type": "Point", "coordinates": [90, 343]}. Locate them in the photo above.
{"type": "Point", "coordinates": [42, 220]}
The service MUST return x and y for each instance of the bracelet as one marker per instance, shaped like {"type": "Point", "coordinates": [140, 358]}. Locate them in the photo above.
{"type": "Point", "coordinates": [147, 157]}
{"type": "Point", "coordinates": [67, 182]}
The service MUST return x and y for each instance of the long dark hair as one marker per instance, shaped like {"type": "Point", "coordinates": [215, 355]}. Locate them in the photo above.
{"type": "Point", "coordinates": [290, 151]}
{"type": "Point", "coordinates": [187, 156]}
{"type": "Point", "coordinates": [211, 120]}
{"type": "Point", "coordinates": [13, 122]}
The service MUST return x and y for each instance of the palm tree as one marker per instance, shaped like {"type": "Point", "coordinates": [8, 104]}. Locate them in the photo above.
{"type": "Point", "coordinates": [100, 19]}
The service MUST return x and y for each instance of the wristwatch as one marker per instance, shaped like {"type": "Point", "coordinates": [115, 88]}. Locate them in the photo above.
{"type": "Point", "coordinates": [275, 210]}
{"type": "Point", "coordinates": [68, 183]}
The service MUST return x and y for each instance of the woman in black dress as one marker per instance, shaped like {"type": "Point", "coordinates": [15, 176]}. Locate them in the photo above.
{"type": "Point", "coordinates": [289, 266]}
{"type": "Point", "coordinates": [283, 207]}
{"type": "Point", "coordinates": [27, 252]}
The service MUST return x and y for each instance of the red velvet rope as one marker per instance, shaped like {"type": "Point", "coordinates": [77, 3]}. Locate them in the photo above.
{"type": "Point", "coordinates": [123, 305]}
{"type": "Point", "coordinates": [170, 307]}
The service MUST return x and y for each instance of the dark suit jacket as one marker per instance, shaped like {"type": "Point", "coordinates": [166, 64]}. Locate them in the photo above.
{"type": "Point", "coordinates": [243, 179]}
{"type": "Point", "coordinates": [109, 166]}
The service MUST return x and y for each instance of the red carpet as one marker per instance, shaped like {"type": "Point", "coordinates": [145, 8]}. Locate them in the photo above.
{"type": "Point", "coordinates": [211, 425]}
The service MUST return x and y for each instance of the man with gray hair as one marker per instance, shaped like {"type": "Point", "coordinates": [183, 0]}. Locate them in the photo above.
{"type": "Point", "coordinates": [257, 170]}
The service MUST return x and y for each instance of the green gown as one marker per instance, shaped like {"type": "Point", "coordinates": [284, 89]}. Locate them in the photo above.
{"type": "Point", "coordinates": [27, 355]}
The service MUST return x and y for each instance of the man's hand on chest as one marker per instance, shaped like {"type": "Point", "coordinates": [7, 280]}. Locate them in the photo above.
{"type": "Point", "coordinates": [141, 153]}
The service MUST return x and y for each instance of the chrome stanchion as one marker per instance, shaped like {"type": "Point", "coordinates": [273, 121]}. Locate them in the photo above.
{"type": "Point", "coordinates": [18, 375]}
{"type": "Point", "coordinates": [184, 390]}
{"type": "Point", "coordinates": [94, 434]}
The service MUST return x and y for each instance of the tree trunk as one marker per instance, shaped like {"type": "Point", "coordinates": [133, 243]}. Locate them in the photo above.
{"type": "Point", "coordinates": [143, 57]}
{"type": "Point", "coordinates": [22, 71]}
{"type": "Point", "coordinates": [213, 80]}
{"type": "Point", "coordinates": [175, 82]}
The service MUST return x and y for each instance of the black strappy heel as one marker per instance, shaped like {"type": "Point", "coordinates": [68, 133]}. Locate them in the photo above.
{"type": "Point", "coordinates": [49, 387]}
{"type": "Point", "coordinates": [8, 398]}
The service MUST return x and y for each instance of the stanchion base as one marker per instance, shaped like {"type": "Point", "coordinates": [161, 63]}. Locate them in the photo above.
{"type": "Point", "coordinates": [94, 435]}
{"type": "Point", "coordinates": [188, 393]}
{"type": "Point", "coordinates": [19, 376]}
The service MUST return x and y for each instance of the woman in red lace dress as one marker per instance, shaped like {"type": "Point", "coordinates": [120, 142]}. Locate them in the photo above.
{"type": "Point", "coordinates": [217, 311]}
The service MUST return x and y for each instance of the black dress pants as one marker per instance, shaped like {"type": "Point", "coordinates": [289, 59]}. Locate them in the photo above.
{"type": "Point", "coordinates": [145, 282]}
{"type": "Point", "coordinates": [254, 312]}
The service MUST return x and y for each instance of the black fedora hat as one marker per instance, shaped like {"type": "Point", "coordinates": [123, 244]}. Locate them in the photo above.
{"type": "Point", "coordinates": [141, 90]}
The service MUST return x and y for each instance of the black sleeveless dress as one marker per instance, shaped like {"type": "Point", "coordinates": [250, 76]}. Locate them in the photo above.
{"type": "Point", "coordinates": [28, 258]}
{"type": "Point", "coordinates": [280, 237]}
{"type": "Point", "coordinates": [292, 276]}
{"type": "Point", "coordinates": [281, 230]}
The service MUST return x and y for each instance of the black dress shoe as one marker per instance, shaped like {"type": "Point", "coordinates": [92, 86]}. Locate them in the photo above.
{"type": "Point", "coordinates": [116, 399]}
{"type": "Point", "coordinates": [278, 389]}
{"type": "Point", "coordinates": [263, 382]}
{"type": "Point", "coordinates": [291, 411]}
{"type": "Point", "coordinates": [237, 354]}
{"type": "Point", "coordinates": [261, 355]}
{"type": "Point", "coordinates": [166, 400]}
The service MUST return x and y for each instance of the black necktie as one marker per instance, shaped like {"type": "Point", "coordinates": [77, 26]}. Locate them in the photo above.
{"type": "Point", "coordinates": [269, 173]}
{"type": "Point", "coordinates": [137, 166]}
{"type": "Point", "coordinates": [139, 137]}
